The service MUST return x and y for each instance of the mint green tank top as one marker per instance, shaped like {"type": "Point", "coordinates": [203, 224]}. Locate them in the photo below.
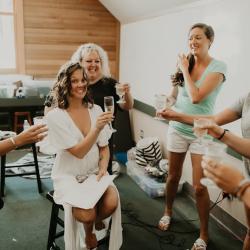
{"type": "Point", "coordinates": [205, 107]}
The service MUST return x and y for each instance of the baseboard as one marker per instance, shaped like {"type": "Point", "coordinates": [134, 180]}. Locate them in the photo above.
{"type": "Point", "coordinates": [220, 216]}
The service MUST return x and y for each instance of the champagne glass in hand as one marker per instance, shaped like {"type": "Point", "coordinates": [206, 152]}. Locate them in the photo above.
{"type": "Point", "coordinates": [199, 130]}
{"type": "Point", "coordinates": [160, 104]}
{"type": "Point", "coordinates": [213, 151]}
{"type": "Point", "coordinates": [109, 106]}
{"type": "Point", "coordinates": [121, 92]}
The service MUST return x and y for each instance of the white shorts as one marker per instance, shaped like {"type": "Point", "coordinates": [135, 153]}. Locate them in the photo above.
{"type": "Point", "coordinates": [179, 143]}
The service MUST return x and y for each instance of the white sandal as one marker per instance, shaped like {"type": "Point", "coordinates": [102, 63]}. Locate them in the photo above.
{"type": "Point", "coordinates": [164, 223]}
{"type": "Point", "coordinates": [199, 244]}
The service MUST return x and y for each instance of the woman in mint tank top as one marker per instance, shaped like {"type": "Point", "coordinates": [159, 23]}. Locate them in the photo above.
{"type": "Point", "coordinates": [196, 84]}
{"type": "Point", "coordinates": [239, 109]}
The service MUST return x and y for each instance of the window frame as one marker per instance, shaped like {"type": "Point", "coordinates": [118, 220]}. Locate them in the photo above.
{"type": "Point", "coordinates": [18, 37]}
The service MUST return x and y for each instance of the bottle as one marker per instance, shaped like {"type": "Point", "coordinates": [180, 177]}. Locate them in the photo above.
{"type": "Point", "coordinates": [26, 125]}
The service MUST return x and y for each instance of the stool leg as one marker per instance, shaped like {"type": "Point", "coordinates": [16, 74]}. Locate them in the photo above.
{"type": "Point", "coordinates": [39, 184]}
{"type": "Point", "coordinates": [29, 119]}
{"type": "Point", "coordinates": [3, 161]}
{"type": "Point", "coordinates": [52, 226]}
{"type": "Point", "coordinates": [15, 123]}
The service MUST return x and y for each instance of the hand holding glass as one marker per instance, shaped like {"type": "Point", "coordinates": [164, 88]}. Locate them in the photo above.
{"type": "Point", "coordinates": [216, 152]}
{"type": "Point", "coordinates": [199, 130]}
{"type": "Point", "coordinates": [160, 104]}
{"type": "Point", "coordinates": [109, 106]}
{"type": "Point", "coordinates": [121, 92]}
{"type": "Point", "coordinates": [39, 120]}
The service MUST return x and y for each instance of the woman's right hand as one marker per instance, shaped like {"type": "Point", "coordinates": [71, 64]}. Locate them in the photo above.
{"type": "Point", "coordinates": [104, 119]}
{"type": "Point", "coordinates": [35, 133]}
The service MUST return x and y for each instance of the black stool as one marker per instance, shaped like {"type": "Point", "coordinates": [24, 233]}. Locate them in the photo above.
{"type": "Point", "coordinates": [18, 125]}
{"type": "Point", "coordinates": [36, 172]}
{"type": "Point", "coordinates": [5, 119]}
{"type": "Point", "coordinates": [54, 220]}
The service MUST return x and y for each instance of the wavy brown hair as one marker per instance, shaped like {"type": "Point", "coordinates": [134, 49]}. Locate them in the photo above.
{"type": "Point", "coordinates": [62, 87]}
{"type": "Point", "coordinates": [177, 78]}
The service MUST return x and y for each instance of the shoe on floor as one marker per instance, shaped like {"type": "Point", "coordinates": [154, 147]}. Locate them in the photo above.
{"type": "Point", "coordinates": [199, 244]}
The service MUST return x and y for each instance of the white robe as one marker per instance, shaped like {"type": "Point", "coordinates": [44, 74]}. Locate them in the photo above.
{"type": "Point", "coordinates": [64, 134]}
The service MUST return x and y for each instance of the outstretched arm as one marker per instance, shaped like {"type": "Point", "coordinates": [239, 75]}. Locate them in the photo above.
{"type": "Point", "coordinates": [34, 134]}
{"type": "Point", "coordinates": [224, 117]}
{"type": "Point", "coordinates": [237, 143]}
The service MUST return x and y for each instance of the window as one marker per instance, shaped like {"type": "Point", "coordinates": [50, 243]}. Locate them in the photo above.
{"type": "Point", "coordinates": [11, 37]}
{"type": "Point", "coordinates": [7, 35]}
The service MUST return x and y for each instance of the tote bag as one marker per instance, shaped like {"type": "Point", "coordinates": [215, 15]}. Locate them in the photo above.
{"type": "Point", "coordinates": [148, 150]}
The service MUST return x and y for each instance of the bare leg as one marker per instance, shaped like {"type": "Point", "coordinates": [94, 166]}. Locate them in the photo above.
{"type": "Point", "coordinates": [246, 245]}
{"type": "Point", "coordinates": [201, 195]}
{"type": "Point", "coordinates": [175, 162]}
{"type": "Point", "coordinates": [87, 217]}
{"type": "Point", "coordinates": [107, 204]}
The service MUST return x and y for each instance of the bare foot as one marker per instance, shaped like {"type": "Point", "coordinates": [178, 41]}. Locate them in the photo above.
{"type": "Point", "coordinates": [99, 225]}
{"type": "Point", "coordinates": [91, 241]}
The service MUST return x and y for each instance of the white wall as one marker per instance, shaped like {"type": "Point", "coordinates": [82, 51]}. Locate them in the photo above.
{"type": "Point", "coordinates": [148, 55]}
{"type": "Point", "coordinates": [149, 48]}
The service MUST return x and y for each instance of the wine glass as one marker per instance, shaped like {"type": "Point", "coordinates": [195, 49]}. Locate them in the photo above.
{"type": "Point", "coordinates": [39, 120]}
{"type": "Point", "coordinates": [216, 152]}
{"type": "Point", "coordinates": [199, 130]}
{"type": "Point", "coordinates": [109, 106]}
{"type": "Point", "coordinates": [121, 92]}
{"type": "Point", "coordinates": [160, 104]}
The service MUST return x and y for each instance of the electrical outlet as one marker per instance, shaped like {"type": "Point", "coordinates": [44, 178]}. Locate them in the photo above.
{"type": "Point", "coordinates": [141, 133]}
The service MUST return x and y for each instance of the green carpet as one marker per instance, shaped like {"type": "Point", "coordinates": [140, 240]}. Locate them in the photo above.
{"type": "Point", "coordinates": [24, 220]}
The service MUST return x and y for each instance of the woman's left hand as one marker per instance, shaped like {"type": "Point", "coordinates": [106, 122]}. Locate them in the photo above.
{"type": "Point", "coordinates": [101, 173]}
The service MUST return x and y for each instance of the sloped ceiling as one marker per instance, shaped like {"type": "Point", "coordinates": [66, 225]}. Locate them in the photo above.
{"type": "Point", "coordinates": [127, 11]}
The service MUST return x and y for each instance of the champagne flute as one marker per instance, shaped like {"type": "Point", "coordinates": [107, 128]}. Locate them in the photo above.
{"type": "Point", "coordinates": [199, 130]}
{"type": "Point", "coordinates": [109, 106]}
{"type": "Point", "coordinates": [214, 151]}
{"type": "Point", "coordinates": [121, 92]}
{"type": "Point", "coordinates": [160, 104]}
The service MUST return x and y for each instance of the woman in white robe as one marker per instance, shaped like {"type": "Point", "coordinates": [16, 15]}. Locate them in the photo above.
{"type": "Point", "coordinates": [79, 132]}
